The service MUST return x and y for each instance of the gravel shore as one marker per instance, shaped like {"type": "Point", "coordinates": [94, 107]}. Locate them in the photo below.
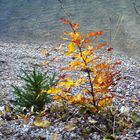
{"type": "Point", "coordinates": [14, 56]}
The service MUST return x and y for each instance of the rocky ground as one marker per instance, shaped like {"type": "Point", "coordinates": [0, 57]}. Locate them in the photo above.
{"type": "Point", "coordinates": [14, 56]}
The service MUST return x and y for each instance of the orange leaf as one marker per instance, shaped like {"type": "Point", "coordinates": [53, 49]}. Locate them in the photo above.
{"type": "Point", "coordinates": [105, 101]}
{"type": "Point", "coordinates": [65, 21]}
{"type": "Point", "coordinates": [26, 119]}
{"type": "Point", "coordinates": [75, 26]}
{"type": "Point", "coordinates": [91, 34]}
{"type": "Point", "coordinates": [118, 63]}
{"type": "Point", "coordinates": [100, 46]}
{"type": "Point", "coordinates": [86, 41]}
{"type": "Point", "coordinates": [110, 49]}
{"type": "Point", "coordinates": [100, 33]}
{"type": "Point", "coordinates": [64, 68]}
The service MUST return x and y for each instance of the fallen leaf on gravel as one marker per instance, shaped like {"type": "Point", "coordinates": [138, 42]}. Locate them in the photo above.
{"type": "Point", "coordinates": [136, 118]}
{"type": "Point", "coordinates": [26, 119]}
{"type": "Point", "coordinates": [109, 138]}
{"type": "Point", "coordinates": [70, 127]}
{"type": "Point", "coordinates": [41, 138]}
{"type": "Point", "coordinates": [8, 108]}
{"type": "Point", "coordinates": [55, 136]}
{"type": "Point", "coordinates": [135, 100]}
{"type": "Point", "coordinates": [56, 59]}
{"type": "Point", "coordinates": [45, 52]}
{"type": "Point", "coordinates": [42, 123]}
{"type": "Point", "coordinates": [61, 46]}
{"type": "Point", "coordinates": [92, 121]}
{"type": "Point", "coordinates": [1, 113]}
{"type": "Point", "coordinates": [46, 62]}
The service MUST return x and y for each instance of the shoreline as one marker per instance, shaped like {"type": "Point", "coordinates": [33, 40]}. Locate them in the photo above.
{"type": "Point", "coordinates": [15, 56]}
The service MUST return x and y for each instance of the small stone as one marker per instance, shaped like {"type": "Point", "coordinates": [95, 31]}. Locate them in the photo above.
{"type": "Point", "coordinates": [7, 117]}
{"type": "Point", "coordinates": [131, 133]}
{"type": "Point", "coordinates": [73, 135]}
{"type": "Point", "coordinates": [124, 109]}
{"type": "Point", "coordinates": [119, 90]}
{"type": "Point", "coordinates": [138, 132]}
{"type": "Point", "coordinates": [128, 86]}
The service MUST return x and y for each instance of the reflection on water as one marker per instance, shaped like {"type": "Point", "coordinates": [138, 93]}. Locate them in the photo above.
{"type": "Point", "coordinates": [38, 20]}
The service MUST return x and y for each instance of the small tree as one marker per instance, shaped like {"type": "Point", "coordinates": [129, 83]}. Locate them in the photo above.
{"type": "Point", "coordinates": [95, 85]}
{"type": "Point", "coordinates": [31, 94]}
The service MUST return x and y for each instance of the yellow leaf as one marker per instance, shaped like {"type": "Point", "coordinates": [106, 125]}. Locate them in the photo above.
{"type": "Point", "coordinates": [45, 52]}
{"type": "Point", "coordinates": [8, 108]}
{"type": "Point", "coordinates": [105, 101]}
{"type": "Point", "coordinates": [42, 123]}
{"type": "Point", "coordinates": [46, 62]}
{"type": "Point", "coordinates": [1, 113]}
{"type": "Point", "coordinates": [57, 97]}
{"type": "Point", "coordinates": [68, 53]}
{"type": "Point", "coordinates": [90, 48]}
{"type": "Point", "coordinates": [65, 39]}
{"type": "Point", "coordinates": [74, 64]}
{"type": "Point", "coordinates": [76, 36]}
{"type": "Point", "coordinates": [80, 81]}
{"type": "Point", "coordinates": [78, 98]}
{"type": "Point", "coordinates": [55, 136]}
{"type": "Point", "coordinates": [71, 48]}
{"type": "Point", "coordinates": [70, 127]}
{"type": "Point", "coordinates": [53, 91]}
{"type": "Point", "coordinates": [69, 83]}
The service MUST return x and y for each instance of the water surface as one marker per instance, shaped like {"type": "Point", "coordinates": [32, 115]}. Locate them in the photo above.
{"type": "Point", "coordinates": [38, 20]}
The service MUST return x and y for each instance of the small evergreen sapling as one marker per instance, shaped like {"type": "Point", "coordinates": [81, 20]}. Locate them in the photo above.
{"type": "Point", "coordinates": [31, 94]}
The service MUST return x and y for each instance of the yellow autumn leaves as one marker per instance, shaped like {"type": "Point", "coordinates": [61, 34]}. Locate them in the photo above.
{"type": "Point", "coordinates": [94, 87]}
{"type": "Point", "coordinates": [64, 88]}
{"type": "Point", "coordinates": [71, 48]}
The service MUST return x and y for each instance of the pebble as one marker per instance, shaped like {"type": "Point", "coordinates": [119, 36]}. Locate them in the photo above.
{"type": "Point", "coordinates": [138, 132]}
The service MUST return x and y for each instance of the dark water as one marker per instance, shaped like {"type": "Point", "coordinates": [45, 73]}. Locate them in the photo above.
{"type": "Point", "coordinates": [38, 20]}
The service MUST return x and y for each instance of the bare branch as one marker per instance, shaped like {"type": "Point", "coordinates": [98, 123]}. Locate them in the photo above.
{"type": "Point", "coordinates": [64, 10]}
{"type": "Point", "coordinates": [135, 7]}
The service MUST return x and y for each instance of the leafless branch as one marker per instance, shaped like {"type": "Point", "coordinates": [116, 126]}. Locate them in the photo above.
{"type": "Point", "coordinates": [135, 7]}
{"type": "Point", "coordinates": [63, 8]}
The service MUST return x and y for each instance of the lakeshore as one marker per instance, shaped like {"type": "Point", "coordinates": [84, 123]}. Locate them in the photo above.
{"type": "Point", "coordinates": [26, 56]}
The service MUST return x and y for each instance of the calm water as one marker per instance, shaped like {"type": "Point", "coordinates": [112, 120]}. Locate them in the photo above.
{"type": "Point", "coordinates": [38, 20]}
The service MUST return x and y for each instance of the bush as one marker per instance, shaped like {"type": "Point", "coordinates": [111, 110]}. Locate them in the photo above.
{"type": "Point", "coordinates": [31, 94]}
{"type": "Point", "coordinates": [98, 74]}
